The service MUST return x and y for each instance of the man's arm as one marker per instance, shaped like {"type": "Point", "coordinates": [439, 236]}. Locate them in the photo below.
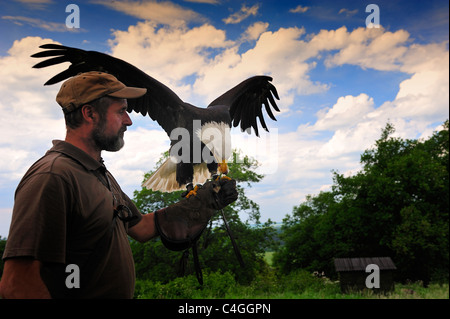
{"type": "Point", "coordinates": [195, 212]}
{"type": "Point", "coordinates": [22, 280]}
{"type": "Point", "coordinates": [145, 229]}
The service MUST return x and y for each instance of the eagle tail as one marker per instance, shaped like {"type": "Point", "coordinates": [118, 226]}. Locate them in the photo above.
{"type": "Point", "coordinates": [164, 178]}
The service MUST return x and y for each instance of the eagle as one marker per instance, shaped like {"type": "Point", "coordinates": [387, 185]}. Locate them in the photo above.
{"type": "Point", "coordinates": [200, 137]}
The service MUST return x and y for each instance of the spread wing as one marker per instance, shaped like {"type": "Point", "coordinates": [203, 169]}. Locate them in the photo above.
{"type": "Point", "coordinates": [245, 102]}
{"type": "Point", "coordinates": [160, 103]}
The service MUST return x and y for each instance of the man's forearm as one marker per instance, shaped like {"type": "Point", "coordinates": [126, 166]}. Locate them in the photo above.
{"type": "Point", "coordinates": [145, 229]}
{"type": "Point", "coordinates": [22, 280]}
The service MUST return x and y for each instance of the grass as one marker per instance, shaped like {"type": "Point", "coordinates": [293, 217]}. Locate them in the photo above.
{"type": "Point", "coordinates": [298, 285]}
{"type": "Point", "coordinates": [268, 257]}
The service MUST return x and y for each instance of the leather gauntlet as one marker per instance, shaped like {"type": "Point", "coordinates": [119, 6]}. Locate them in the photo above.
{"type": "Point", "coordinates": [182, 223]}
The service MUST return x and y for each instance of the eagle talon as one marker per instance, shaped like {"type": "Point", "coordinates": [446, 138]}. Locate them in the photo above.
{"type": "Point", "coordinates": [220, 177]}
{"type": "Point", "coordinates": [189, 188]}
{"type": "Point", "coordinates": [192, 192]}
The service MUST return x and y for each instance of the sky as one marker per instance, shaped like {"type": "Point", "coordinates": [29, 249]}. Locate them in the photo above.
{"type": "Point", "coordinates": [343, 70]}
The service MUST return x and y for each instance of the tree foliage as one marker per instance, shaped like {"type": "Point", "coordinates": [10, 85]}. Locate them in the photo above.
{"type": "Point", "coordinates": [155, 262]}
{"type": "Point", "coordinates": [397, 206]}
{"type": "Point", "coordinates": [2, 249]}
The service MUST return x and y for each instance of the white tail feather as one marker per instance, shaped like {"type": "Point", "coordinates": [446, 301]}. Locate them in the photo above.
{"type": "Point", "coordinates": [164, 179]}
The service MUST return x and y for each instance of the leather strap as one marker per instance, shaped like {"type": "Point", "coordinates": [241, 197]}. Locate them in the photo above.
{"type": "Point", "coordinates": [235, 246]}
{"type": "Point", "coordinates": [198, 269]}
{"type": "Point", "coordinates": [183, 263]}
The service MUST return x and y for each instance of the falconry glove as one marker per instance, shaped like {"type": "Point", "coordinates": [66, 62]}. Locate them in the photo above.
{"type": "Point", "coordinates": [181, 224]}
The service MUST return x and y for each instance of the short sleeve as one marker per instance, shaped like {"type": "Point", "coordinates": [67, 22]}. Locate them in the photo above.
{"type": "Point", "coordinates": [134, 210]}
{"type": "Point", "coordinates": [38, 225]}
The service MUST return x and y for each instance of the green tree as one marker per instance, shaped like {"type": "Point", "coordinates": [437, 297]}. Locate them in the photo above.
{"type": "Point", "coordinates": [155, 262]}
{"type": "Point", "coordinates": [397, 205]}
{"type": "Point", "coordinates": [2, 249]}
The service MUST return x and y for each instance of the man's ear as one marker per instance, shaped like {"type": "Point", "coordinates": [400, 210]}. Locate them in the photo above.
{"type": "Point", "coordinates": [89, 114]}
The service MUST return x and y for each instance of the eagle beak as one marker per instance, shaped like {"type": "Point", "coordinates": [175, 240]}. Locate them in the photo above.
{"type": "Point", "coordinates": [223, 167]}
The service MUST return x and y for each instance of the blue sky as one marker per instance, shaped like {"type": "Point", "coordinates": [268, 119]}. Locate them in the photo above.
{"type": "Point", "coordinates": [339, 81]}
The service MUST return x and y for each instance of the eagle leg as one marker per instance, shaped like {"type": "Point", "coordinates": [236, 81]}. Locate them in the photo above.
{"type": "Point", "coordinates": [189, 189]}
{"type": "Point", "coordinates": [193, 192]}
{"type": "Point", "coordinates": [218, 171]}
{"type": "Point", "coordinates": [212, 168]}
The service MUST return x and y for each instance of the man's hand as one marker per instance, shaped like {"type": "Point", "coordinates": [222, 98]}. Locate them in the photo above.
{"type": "Point", "coordinates": [227, 193]}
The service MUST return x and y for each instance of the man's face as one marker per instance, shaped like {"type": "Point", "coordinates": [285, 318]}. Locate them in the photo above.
{"type": "Point", "coordinates": [108, 132]}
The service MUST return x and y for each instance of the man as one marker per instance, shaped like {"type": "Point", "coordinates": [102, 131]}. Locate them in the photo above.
{"type": "Point", "coordinates": [70, 211]}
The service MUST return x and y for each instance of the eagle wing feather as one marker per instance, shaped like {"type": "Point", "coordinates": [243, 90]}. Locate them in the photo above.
{"type": "Point", "coordinates": [160, 103]}
{"type": "Point", "coordinates": [245, 102]}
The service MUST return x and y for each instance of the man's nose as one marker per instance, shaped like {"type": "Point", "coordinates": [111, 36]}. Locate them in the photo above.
{"type": "Point", "coordinates": [127, 120]}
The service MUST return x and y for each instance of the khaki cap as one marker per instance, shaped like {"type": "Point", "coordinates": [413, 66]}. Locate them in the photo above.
{"type": "Point", "coordinates": [87, 87]}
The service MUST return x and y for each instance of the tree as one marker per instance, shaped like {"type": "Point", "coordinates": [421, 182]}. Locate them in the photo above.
{"type": "Point", "coordinates": [397, 205]}
{"type": "Point", "coordinates": [2, 249]}
{"type": "Point", "coordinates": [155, 262]}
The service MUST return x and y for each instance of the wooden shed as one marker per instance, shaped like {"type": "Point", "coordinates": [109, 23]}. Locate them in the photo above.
{"type": "Point", "coordinates": [353, 273]}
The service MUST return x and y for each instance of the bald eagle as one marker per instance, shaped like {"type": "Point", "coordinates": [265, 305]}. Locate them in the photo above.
{"type": "Point", "coordinates": [200, 137]}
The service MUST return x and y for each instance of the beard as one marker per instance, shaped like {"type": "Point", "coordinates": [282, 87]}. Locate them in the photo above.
{"type": "Point", "coordinates": [107, 143]}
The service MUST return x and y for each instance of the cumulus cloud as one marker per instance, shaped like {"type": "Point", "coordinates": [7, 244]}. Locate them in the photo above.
{"type": "Point", "coordinates": [164, 46]}
{"type": "Point", "coordinates": [31, 117]}
{"type": "Point", "coordinates": [348, 109]}
{"type": "Point", "coordinates": [280, 54]}
{"type": "Point", "coordinates": [255, 30]}
{"type": "Point", "coordinates": [366, 47]}
{"type": "Point", "coordinates": [21, 88]}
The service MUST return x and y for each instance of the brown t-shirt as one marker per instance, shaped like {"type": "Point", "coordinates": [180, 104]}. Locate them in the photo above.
{"type": "Point", "coordinates": [62, 209]}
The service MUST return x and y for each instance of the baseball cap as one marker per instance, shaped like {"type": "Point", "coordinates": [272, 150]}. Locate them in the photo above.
{"type": "Point", "coordinates": [86, 87]}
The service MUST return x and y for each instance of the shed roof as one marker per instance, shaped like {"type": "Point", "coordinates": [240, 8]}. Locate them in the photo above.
{"type": "Point", "coordinates": [360, 264]}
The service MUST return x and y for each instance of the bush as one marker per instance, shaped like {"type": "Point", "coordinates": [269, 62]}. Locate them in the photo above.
{"type": "Point", "coordinates": [216, 285]}
{"type": "Point", "coordinates": [301, 281]}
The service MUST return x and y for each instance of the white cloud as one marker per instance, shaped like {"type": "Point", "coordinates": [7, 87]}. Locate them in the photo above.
{"type": "Point", "coordinates": [31, 117]}
{"type": "Point", "coordinates": [299, 9]}
{"type": "Point", "coordinates": [204, 1]}
{"type": "Point", "coordinates": [348, 12]}
{"type": "Point", "coordinates": [280, 54]}
{"type": "Point", "coordinates": [243, 14]}
{"type": "Point", "coordinates": [165, 46]}
{"type": "Point", "coordinates": [143, 148]}
{"type": "Point", "coordinates": [348, 110]}
{"type": "Point", "coordinates": [255, 30]}
{"type": "Point", "coordinates": [36, 4]}
{"type": "Point", "coordinates": [166, 12]}
{"type": "Point", "coordinates": [41, 24]}
{"type": "Point", "coordinates": [368, 48]}
{"type": "Point", "coordinates": [5, 220]}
